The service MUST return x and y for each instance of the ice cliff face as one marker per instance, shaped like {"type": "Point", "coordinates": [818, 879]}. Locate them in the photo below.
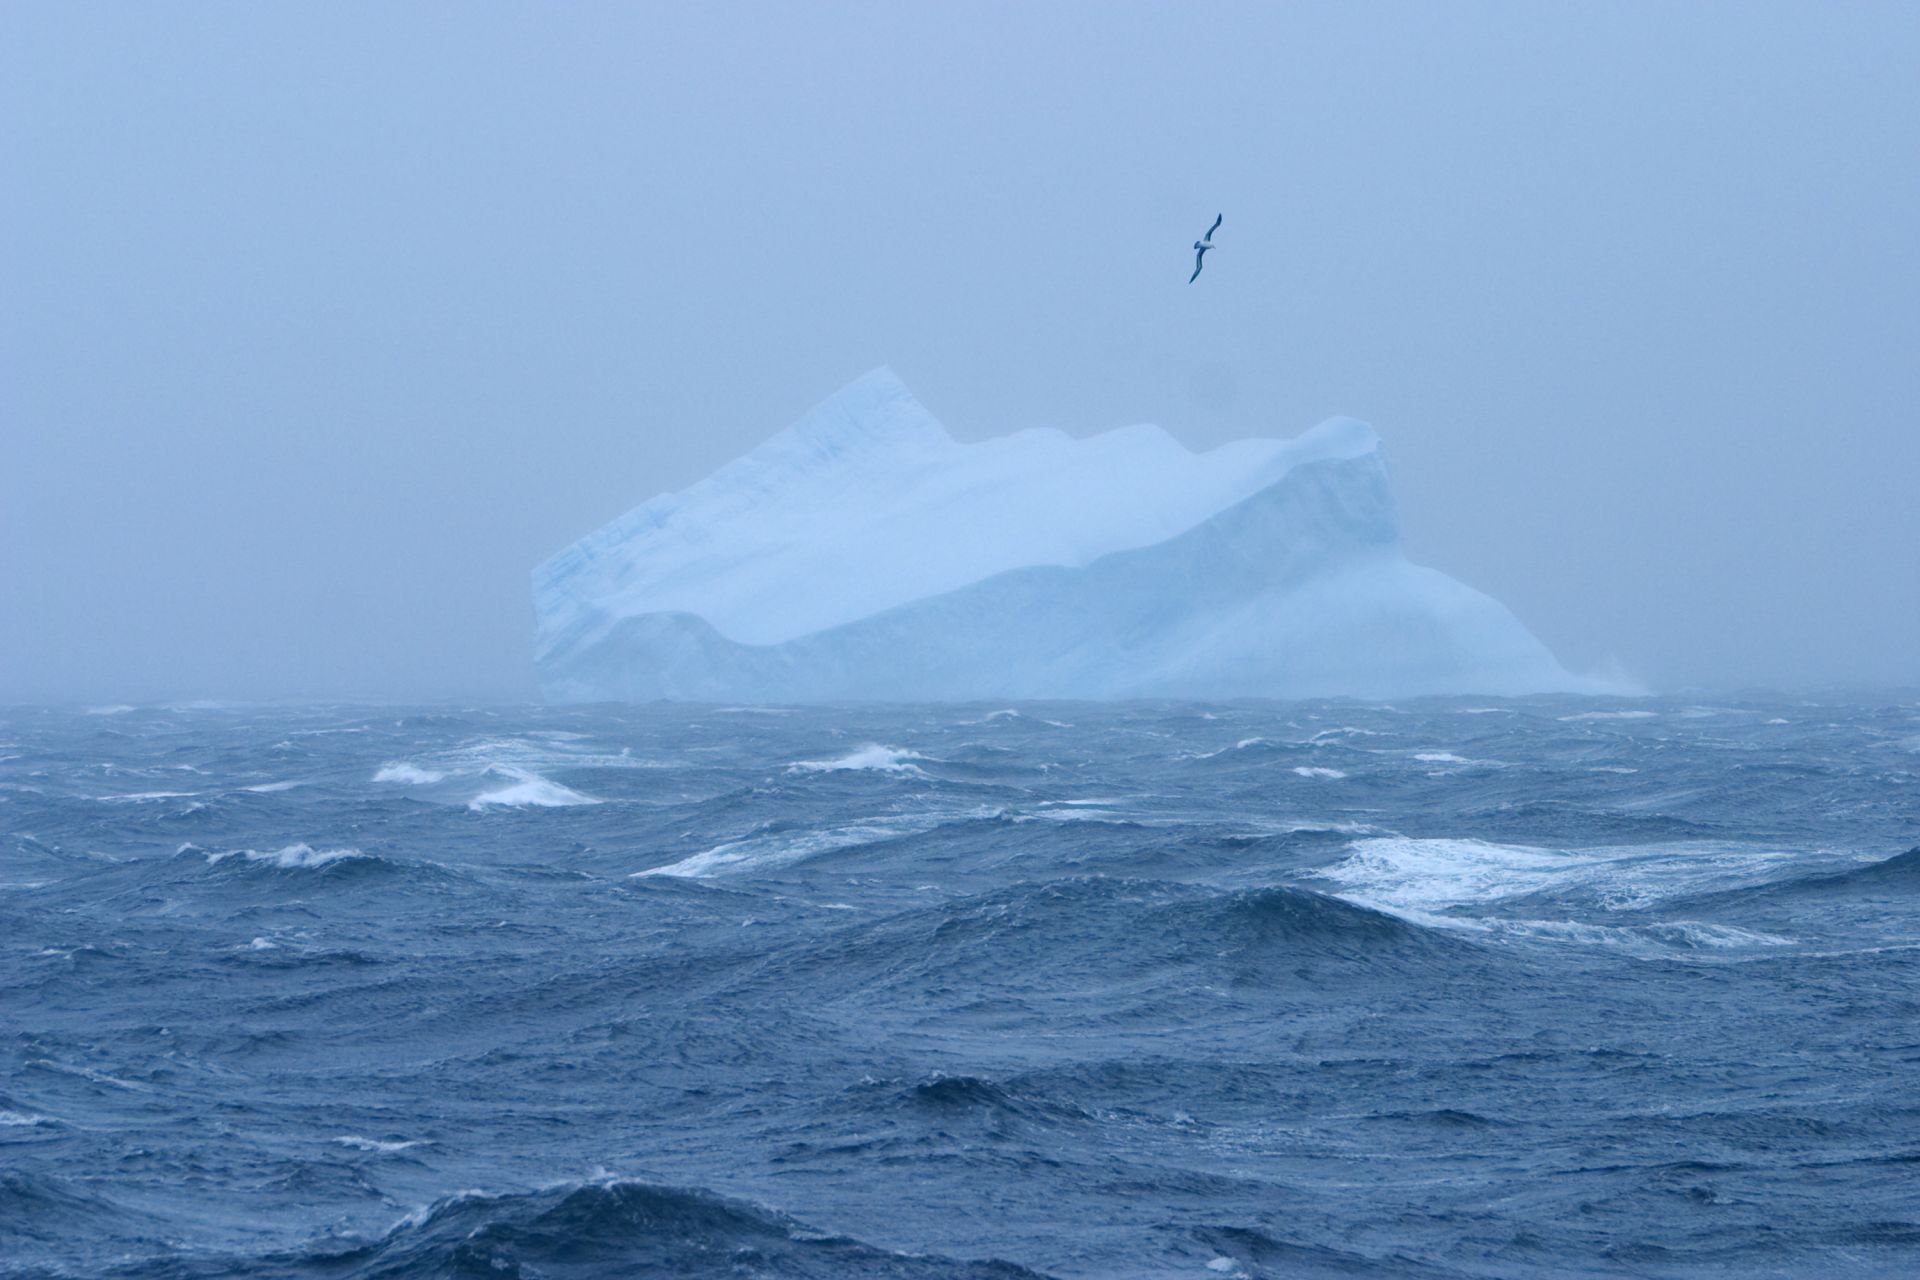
{"type": "Point", "coordinates": [862, 553]}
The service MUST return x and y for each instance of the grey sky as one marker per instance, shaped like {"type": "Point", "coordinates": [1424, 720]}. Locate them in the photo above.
{"type": "Point", "coordinates": [320, 325]}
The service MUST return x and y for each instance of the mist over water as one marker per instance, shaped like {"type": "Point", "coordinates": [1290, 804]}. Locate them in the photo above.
{"type": "Point", "coordinates": [324, 324]}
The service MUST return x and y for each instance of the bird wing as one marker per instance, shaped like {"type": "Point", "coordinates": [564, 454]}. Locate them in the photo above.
{"type": "Point", "coordinates": [1198, 258]}
{"type": "Point", "coordinates": [1215, 227]}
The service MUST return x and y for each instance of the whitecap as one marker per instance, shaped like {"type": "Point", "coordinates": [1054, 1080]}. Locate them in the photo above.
{"type": "Point", "coordinates": [404, 772]}
{"type": "Point", "coordinates": [1413, 876]}
{"type": "Point", "coordinates": [1345, 731]}
{"type": "Point", "coordinates": [779, 849]}
{"type": "Point", "coordinates": [274, 786]}
{"type": "Point", "coordinates": [358, 1143]}
{"type": "Point", "coordinates": [872, 757]}
{"type": "Point", "coordinates": [763, 852]}
{"type": "Point", "coordinates": [529, 790]}
{"type": "Point", "coordinates": [1611, 715]}
{"type": "Point", "coordinates": [23, 1120]}
{"type": "Point", "coordinates": [1313, 771]}
{"type": "Point", "coordinates": [292, 857]}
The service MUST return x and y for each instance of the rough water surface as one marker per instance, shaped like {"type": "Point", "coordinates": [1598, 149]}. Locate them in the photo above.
{"type": "Point", "coordinates": [1447, 988]}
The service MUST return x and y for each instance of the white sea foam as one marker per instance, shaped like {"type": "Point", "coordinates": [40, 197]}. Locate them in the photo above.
{"type": "Point", "coordinates": [1657, 939]}
{"type": "Point", "coordinates": [782, 848]}
{"type": "Point", "coordinates": [1241, 745]}
{"type": "Point", "coordinates": [89, 1073]}
{"type": "Point", "coordinates": [1611, 715]}
{"type": "Point", "coordinates": [375, 1144]}
{"type": "Point", "coordinates": [293, 857]}
{"type": "Point", "coordinates": [23, 1120]}
{"type": "Point", "coordinates": [528, 790]}
{"type": "Point", "coordinates": [1081, 814]}
{"type": "Point", "coordinates": [1399, 873]}
{"type": "Point", "coordinates": [873, 757]}
{"type": "Point", "coordinates": [274, 786]}
{"type": "Point", "coordinates": [1315, 771]}
{"type": "Point", "coordinates": [759, 853]}
{"type": "Point", "coordinates": [1421, 877]}
{"type": "Point", "coordinates": [403, 771]}
{"type": "Point", "coordinates": [141, 797]}
{"type": "Point", "coordinates": [1441, 757]}
{"type": "Point", "coordinates": [118, 709]}
{"type": "Point", "coordinates": [1345, 731]}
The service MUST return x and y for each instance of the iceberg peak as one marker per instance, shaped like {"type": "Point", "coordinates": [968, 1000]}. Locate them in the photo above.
{"type": "Point", "coordinates": [875, 409]}
{"type": "Point", "coordinates": [863, 552]}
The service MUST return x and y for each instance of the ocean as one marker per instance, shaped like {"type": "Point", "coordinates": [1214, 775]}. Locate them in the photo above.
{"type": "Point", "coordinates": [1456, 987]}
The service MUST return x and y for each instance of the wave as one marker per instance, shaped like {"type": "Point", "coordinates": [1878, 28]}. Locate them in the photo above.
{"type": "Point", "coordinates": [24, 1120]}
{"type": "Point", "coordinates": [378, 1146]}
{"type": "Point", "coordinates": [1898, 875]}
{"type": "Point", "coordinates": [46, 1208]}
{"type": "Point", "coordinates": [619, 1227]}
{"type": "Point", "coordinates": [522, 764]}
{"type": "Point", "coordinates": [405, 772]}
{"type": "Point", "coordinates": [779, 848]}
{"type": "Point", "coordinates": [1413, 876]}
{"type": "Point", "coordinates": [947, 1099]}
{"type": "Point", "coordinates": [294, 857]}
{"type": "Point", "coordinates": [1243, 1253]}
{"type": "Point", "coordinates": [872, 757]}
{"type": "Point", "coordinates": [1608, 715]}
{"type": "Point", "coordinates": [1296, 921]}
{"type": "Point", "coordinates": [1136, 940]}
{"type": "Point", "coordinates": [528, 790]}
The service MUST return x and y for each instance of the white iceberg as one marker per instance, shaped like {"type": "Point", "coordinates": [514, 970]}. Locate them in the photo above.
{"type": "Point", "coordinates": [863, 553]}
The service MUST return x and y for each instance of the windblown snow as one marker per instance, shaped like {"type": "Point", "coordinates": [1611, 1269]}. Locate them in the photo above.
{"type": "Point", "coordinates": [863, 553]}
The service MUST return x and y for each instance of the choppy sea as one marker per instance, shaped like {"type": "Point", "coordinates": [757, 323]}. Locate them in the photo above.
{"type": "Point", "coordinates": [1443, 988]}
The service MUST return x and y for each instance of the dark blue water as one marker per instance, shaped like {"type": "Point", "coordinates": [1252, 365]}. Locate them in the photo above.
{"type": "Point", "coordinates": [1444, 989]}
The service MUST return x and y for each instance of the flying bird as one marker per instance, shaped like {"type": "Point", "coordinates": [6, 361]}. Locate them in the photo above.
{"type": "Point", "coordinates": [1201, 246]}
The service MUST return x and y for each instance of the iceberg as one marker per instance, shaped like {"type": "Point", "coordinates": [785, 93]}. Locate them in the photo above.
{"type": "Point", "coordinates": [864, 554]}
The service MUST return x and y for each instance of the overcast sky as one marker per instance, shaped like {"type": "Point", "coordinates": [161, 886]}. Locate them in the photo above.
{"type": "Point", "coordinates": [320, 325]}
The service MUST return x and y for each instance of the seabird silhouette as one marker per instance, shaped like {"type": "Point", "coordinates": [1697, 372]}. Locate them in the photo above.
{"type": "Point", "coordinates": [1201, 246]}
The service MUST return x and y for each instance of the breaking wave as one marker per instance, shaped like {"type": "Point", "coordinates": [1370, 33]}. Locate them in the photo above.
{"type": "Point", "coordinates": [872, 757]}
{"type": "Point", "coordinates": [617, 1227]}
